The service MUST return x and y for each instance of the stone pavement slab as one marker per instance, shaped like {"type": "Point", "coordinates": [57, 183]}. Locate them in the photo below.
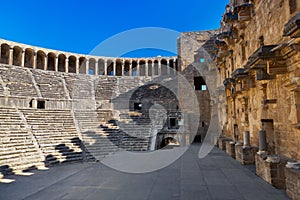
{"type": "Point", "coordinates": [214, 177]}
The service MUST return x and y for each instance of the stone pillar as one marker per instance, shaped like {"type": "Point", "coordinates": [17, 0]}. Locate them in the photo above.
{"type": "Point", "coordinates": [34, 59]}
{"type": "Point", "coordinates": [146, 69]}
{"type": "Point", "coordinates": [152, 69]}
{"type": "Point", "coordinates": [10, 56]}
{"type": "Point", "coordinates": [114, 68]}
{"type": "Point", "coordinates": [87, 66]}
{"type": "Point", "coordinates": [168, 67]}
{"type": "Point", "coordinates": [159, 68]}
{"type": "Point", "coordinates": [130, 68]}
{"type": "Point", "coordinates": [56, 64]}
{"type": "Point", "coordinates": [67, 65]}
{"type": "Point", "coordinates": [105, 67]}
{"type": "Point", "coordinates": [96, 67]}
{"type": "Point", "coordinates": [138, 68]}
{"type": "Point", "coordinates": [246, 135]}
{"type": "Point", "coordinates": [174, 66]}
{"type": "Point", "coordinates": [23, 58]}
{"type": "Point", "coordinates": [45, 62]}
{"type": "Point", "coordinates": [262, 140]}
{"type": "Point", "coordinates": [77, 66]}
{"type": "Point", "coordinates": [123, 64]}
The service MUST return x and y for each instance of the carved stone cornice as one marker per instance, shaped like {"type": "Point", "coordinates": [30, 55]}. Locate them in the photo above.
{"type": "Point", "coordinates": [292, 27]}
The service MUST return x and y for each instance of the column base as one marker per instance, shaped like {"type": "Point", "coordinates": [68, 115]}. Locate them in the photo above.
{"type": "Point", "coordinates": [271, 170]}
{"type": "Point", "coordinates": [245, 155]}
{"type": "Point", "coordinates": [292, 183]}
{"type": "Point", "coordinates": [230, 148]}
{"type": "Point", "coordinates": [222, 142]}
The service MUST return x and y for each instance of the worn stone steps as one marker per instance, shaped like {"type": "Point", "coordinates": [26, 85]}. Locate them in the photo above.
{"type": "Point", "coordinates": [56, 134]}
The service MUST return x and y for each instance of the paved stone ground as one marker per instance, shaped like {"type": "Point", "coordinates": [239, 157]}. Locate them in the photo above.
{"type": "Point", "coordinates": [217, 176]}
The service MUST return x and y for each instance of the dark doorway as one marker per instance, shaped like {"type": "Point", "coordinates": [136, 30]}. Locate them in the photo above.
{"type": "Point", "coordinates": [41, 104]}
{"type": "Point", "coordinates": [199, 83]}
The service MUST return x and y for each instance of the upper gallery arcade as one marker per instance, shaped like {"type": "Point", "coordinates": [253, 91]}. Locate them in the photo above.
{"type": "Point", "coordinates": [18, 54]}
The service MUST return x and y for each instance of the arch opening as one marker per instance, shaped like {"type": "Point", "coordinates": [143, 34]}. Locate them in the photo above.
{"type": "Point", "coordinates": [17, 56]}
{"type": "Point", "coordinates": [4, 54]}
{"type": "Point", "coordinates": [29, 58]}
{"type": "Point", "coordinates": [72, 64]}
{"type": "Point", "coordinates": [61, 63]}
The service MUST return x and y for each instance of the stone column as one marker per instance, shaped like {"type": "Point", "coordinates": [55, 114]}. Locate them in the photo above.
{"type": "Point", "coordinates": [0, 53]}
{"type": "Point", "coordinates": [87, 66]}
{"type": "Point", "coordinates": [174, 66]}
{"type": "Point", "coordinates": [146, 69]}
{"type": "Point", "coordinates": [130, 68]}
{"type": "Point", "coordinates": [246, 135]}
{"type": "Point", "coordinates": [114, 68]}
{"type": "Point", "coordinates": [23, 58]}
{"type": "Point", "coordinates": [34, 59]}
{"type": "Point", "coordinates": [45, 62]}
{"type": "Point", "coordinates": [123, 65]}
{"type": "Point", "coordinates": [77, 66]}
{"type": "Point", "coordinates": [67, 65]}
{"type": "Point", "coordinates": [105, 67]}
{"type": "Point", "coordinates": [138, 68]}
{"type": "Point", "coordinates": [168, 67]}
{"type": "Point", "coordinates": [10, 56]}
{"type": "Point", "coordinates": [159, 68]}
{"type": "Point", "coordinates": [262, 140]}
{"type": "Point", "coordinates": [56, 64]}
{"type": "Point", "coordinates": [96, 67]}
{"type": "Point", "coordinates": [152, 68]}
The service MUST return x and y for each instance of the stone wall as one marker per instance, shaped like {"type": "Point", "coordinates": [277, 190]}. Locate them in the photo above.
{"type": "Point", "coordinates": [292, 183]}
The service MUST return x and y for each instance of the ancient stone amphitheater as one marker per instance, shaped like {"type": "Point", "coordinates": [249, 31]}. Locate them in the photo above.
{"type": "Point", "coordinates": [58, 107]}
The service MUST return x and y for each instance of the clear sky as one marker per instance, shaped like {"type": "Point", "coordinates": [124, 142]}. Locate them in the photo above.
{"type": "Point", "coordinates": [78, 26]}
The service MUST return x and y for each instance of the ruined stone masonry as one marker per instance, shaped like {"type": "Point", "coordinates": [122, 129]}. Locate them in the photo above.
{"type": "Point", "coordinates": [257, 54]}
{"type": "Point", "coordinates": [58, 107]}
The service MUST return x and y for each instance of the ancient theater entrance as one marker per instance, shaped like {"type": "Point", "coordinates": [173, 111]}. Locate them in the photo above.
{"type": "Point", "coordinates": [168, 142]}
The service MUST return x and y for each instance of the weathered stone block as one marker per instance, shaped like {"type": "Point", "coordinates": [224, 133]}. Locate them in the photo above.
{"type": "Point", "coordinates": [222, 143]}
{"type": "Point", "coordinates": [230, 148]}
{"type": "Point", "coordinates": [292, 183]}
{"type": "Point", "coordinates": [271, 170]}
{"type": "Point", "coordinates": [245, 155]}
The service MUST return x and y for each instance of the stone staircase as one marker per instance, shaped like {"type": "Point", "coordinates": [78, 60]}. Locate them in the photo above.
{"type": "Point", "coordinates": [50, 84]}
{"type": "Point", "coordinates": [99, 140]}
{"type": "Point", "coordinates": [105, 87]}
{"type": "Point", "coordinates": [56, 135]}
{"type": "Point", "coordinates": [17, 149]}
{"type": "Point", "coordinates": [80, 86]}
{"type": "Point", "coordinates": [18, 81]}
{"type": "Point", "coordinates": [136, 131]}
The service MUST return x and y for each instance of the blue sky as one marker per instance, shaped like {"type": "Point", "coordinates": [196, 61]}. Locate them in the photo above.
{"type": "Point", "coordinates": [79, 26]}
